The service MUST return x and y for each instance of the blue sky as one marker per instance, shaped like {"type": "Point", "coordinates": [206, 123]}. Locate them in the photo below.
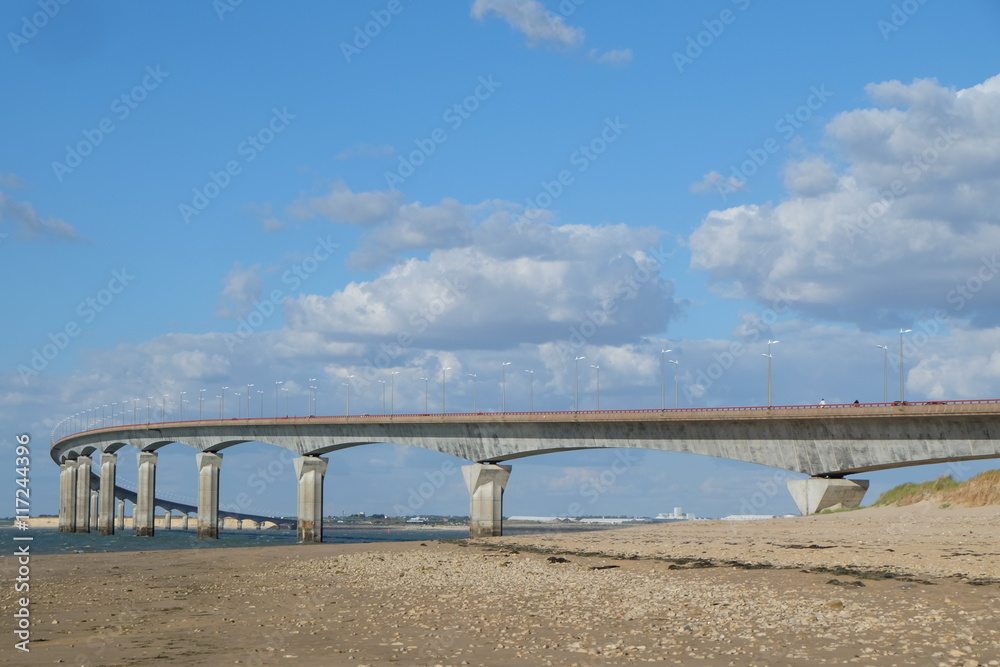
{"type": "Point", "coordinates": [204, 196]}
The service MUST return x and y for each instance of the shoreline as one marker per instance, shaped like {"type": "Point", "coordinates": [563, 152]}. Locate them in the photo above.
{"type": "Point", "coordinates": [709, 593]}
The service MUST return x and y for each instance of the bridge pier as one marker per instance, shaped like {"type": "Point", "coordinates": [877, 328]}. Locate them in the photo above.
{"type": "Point", "coordinates": [143, 511]}
{"type": "Point", "coordinates": [106, 501]}
{"type": "Point", "coordinates": [208, 494]}
{"type": "Point", "coordinates": [310, 471]}
{"type": "Point", "coordinates": [95, 506]}
{"type": "Point", "coordinates": [486, 482]}
{"type": "Point", "coordinates": [67, 497]}
{"type": "Point", "coordinates": [816, 494]}
{"type": "Point", "coordinates": [82, 495]}
{"type": "Point", "coordinates": [167, 517]}
{"type": "Point", "coordinates": [120, 516]}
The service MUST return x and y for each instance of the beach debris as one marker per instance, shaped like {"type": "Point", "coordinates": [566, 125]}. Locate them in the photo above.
{"type": "Point", "coordinates": [557, 559]}
{"type": "Point", "coordinates": [838, 582]}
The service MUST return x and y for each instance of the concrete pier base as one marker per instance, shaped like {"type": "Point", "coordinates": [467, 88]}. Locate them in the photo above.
{"type": "Point", "coordinates": [818, 493]}
{"type": "Point", "coordinates": [82, 495]}
{"type": "Point", "coordinates": [184, 522]}
{"type": "Point", "coordinates": [208, 494]}
{"type": "Point", "coordinates": [310, 471]}
{"type": "Point", "coordinates": [486, 482]}
{"type": "Point", "coordinates": [106, 495]}
{"type": "Point", "coordinates": [95, 507]}
{"type": "Point", "coordinates": [167, 519]}
{"type": "Point", "coordinates": [142, 513]}
{"type": "Point", "coordinates": [120, 516]}
{"type": "Point", "coordinates": [67, 497]}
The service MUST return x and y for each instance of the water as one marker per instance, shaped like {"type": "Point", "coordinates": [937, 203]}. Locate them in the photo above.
{"type": "Point", "coordinates": [51, 541]}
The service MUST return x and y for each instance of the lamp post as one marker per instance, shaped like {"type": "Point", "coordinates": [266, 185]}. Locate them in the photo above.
{"type": "Point", "coordinates": [901, 332]}
{"type": "Point", "coordinates": [768, 355]}
{"type": "Point", "coordinates": [239, 405]}
{"type": "Point", "coordinates": [598, 369]}
{"type": "Point", "coordinates": [382, 382]}
{"type": "Point", "coordinates": [531, 391]}
{"type": "Point", "coordinates": [885, 372]}
{"type": "Point", "coordinates": [347, 409]}
{"type": "Point", "coordinates": [284, 390]}
{"type": "Point", "coordinates": [135, 401]}
{"type": "Point", "coordinates": [181, 407]}
{"type": "Point", "coordinates": [222, 404]}
{"type": "Point", "coordinates": [113, 406]}
{"type": "Point", "coordinates": [427, 392]}
{"type": "Point", "coordinates": [312, 410]}
{"type": "Point", "coordinates": [663, 380]}
{"type": "Point", "coordinates": [503, 386]}
{"type": "Point", "coordinates": [249, 396]}
{"type": "Point", "coordinates": [163, 408]}
{"type": "Point", "coordinates": [474, 406]}
{"type": "Point", "coordinates": [201, 404]}
{"type": "Point", "coordinates": [444, 382]}
{"type": "Point", "coordinates": [148, 409]}
{"type": "Point", "coordinates": [276, 398]}
{"type": "Point", "coordinates": [392, 392]}
{"type": "Point", "coordinates": [676, 366]}
{"type": "Point", "coordinates": [261, 403]}
{"type": "Point", "coordinates": [576, 393]}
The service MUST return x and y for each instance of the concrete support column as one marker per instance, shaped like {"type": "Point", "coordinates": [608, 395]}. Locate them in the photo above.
{"type": "Point", "coordinates": [184, 522]}
{"type": "Point", "coordinates": [167, 516]}
{"type": "Point", "coordinates": [208, 494]}
{"type": "Point", "coordinates": [82, 495]}
{"type": "Point", "coordinates": [143, 511]}
{"type": "Point", "coordinates": [67, 497]}
{"type": "Point", "coordinates": [106, 502]}
{"type": "Point", "coordinates": [120, 515]}
{"type": "Point", "coordinates": [95, 506]}
{"type": "Point", "coordinates": [486, 482]}
{"type": "Point", "coordinates": [818, 493]}
{"type": "Point", "coordinates": [310, 471]}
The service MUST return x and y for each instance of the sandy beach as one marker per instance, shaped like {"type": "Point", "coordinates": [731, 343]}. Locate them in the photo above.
{"type": "Point", "coordinates": [880, 586]}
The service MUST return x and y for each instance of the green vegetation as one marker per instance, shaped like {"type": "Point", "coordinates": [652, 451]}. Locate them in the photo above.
{"type": "Point", "coordinates": [983, 489]}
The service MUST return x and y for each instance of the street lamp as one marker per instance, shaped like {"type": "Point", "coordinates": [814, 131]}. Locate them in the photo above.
{"type": "Point", "coordinates": [901, 332]}
{"type": "Point", "coordinates": [276, 398]}
{"type": "Point", "coordinates": [427, 391]}
{"type": "Point", "coordinates": [261, 403]}
{"type": "Point", "coordinates": [473, 376]}
{"type": "Point", "coordinates": [285, 392]}
{"type": "Point", "coordinates": [148, 409]}
{"type": "Point", "coordinates": [531, 391]}
{"type": "Point", "coordinates": [163, 408]}
{"type": "Point", "coordinates": [576, 394]}
{"type": "Point", "coordinates": [249, 396]}
{"type": "Point", "coordinates": [347, 384]}
{"type": "Point", "coordinates": [885, 372]}
{"type": "Point", "coordinates": [392, 392]}
{"type": "Point", "coordinates": [676, 366]}
{"type": "Point", "coordinates": [768, 355]}
{"type": "Point", "coordinates": [181, 417]}
{"type": "Point", "coordinates": [313, 410]}
{"type": "Point", "coordinates": [113, 406]}
{"type": "Point", "coordinates": [503, 386]}
{"type": "Point", "coordinates": [598, 369]}
{"type": "Point", "coordinates": [663, 380]}
{"type": "Point", "coordinates": [444, 382]}
{"type": "Point", "coordinates": [201, 404]}
{"type": "Point", "coordinates": [239, 405]}
{"type": "Point", "coordinates": [382, 382]}
{"type": "Point", "coordinates": [222, 403]}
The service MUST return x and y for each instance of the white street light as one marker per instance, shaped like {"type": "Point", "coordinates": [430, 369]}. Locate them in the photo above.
{"type": "Point", "coordinates": [249, 396]}
{"type": "Point", "coordinates": [576, 394]}
{"type": "Point", "coordinates": [201, 404]}
{"type": "Point", "coordinates": [148, 409]}
{"type": "Point", "coordinates": [768, 355]}
{"type": "Point", "coordinates": [312, 410]}
{"type": "Point", "coordinates": [901, 332]}
{"type": "Point", "coordinates": [427, 393]}
{"type": "Point", "coordinates": [885, 372]}
{"type": "Point", "coordinates": [276, 398]}
{"type": "Point", "coordinates": [598, 369]}
{"type": "Point", "coordinates": [474, 406]}
{"type": "Point", "coordinates": [676, 366]}
{"type": "Point", "coordinates": [392, 392]}
{"type": "Point", "coordinates": [663, 380]}
{"type": "Point", "coordinates": [347, 384]}
{"type": "Point", "coordinates": [382, 382]}
{"type": "Point", "coordinates": [239, 405]}
{"type": "Point", "coordinates": [444, 382]}
{"type": "Point", "coordinates": [531, 394]}
{"type": "Point", "coordinates": [503, 386]}
{"type": "Point", "coordinates": [181, 417]}
{"type": "Point", "coordinates": [222, 409]}
{"type": "Point", "coordinates": [220, 405]}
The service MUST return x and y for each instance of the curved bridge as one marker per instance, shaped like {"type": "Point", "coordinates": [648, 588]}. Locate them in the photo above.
{"type": "Point", "coordinates": [825, 442]}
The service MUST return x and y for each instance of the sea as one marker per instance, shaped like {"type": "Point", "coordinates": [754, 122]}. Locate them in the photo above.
{"type": "Point", "coordinates": [51, 541]}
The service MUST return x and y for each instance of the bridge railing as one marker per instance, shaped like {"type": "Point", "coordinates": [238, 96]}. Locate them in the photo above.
{"type": "Point", "coordinates": [74, 425]}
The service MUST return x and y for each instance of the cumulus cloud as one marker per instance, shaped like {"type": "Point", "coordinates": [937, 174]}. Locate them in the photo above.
{"type": "Point", "coordinates": [344, 206]}
{"type": "Point", "coordinates": [909, 219]}
{"type": "Point", "coordinates": [533, 20]}
{"type": "Point", "coordinates": [28, 224]}
{"type": "Point", "coordinates": [241, 291]}
{"type": "Point", "coordinates": [713, 180]}
{"type": "Point", "coordinates": [612, 57]}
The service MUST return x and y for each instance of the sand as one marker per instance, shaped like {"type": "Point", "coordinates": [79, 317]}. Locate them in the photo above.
{"type": "Point", "coordinates": [894, 586]}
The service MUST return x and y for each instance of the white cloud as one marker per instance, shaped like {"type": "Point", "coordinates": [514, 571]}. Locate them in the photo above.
{"type": "Point", "coordinates": [910, 218]}
{"type": "Point", "coordinates": [29, 225]}
{"type": "Point", "coordinates": [713, 180]}
{"type": "Point", "coordinates": [612, 57]}
{"type": "Point", "coordinates": [344, 206]}
{"type": "Point", "coordinates": [533, 20]}
{"type": "Point", "coordinates": [241, 291]}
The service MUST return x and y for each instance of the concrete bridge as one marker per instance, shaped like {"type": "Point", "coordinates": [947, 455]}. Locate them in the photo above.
{"type": "Point", "coordinates": [826, 442]}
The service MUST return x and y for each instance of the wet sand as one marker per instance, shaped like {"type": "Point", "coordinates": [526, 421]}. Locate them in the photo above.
{"type": "Point", "coordinates": [896, 586]}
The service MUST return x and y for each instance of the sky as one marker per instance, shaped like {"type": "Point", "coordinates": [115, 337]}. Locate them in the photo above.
{"type": "Point", "coordinates": [304, 196]}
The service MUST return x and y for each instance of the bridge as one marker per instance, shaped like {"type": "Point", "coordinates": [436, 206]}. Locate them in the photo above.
{"type": "Point", "coordinates": [825, 442]}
